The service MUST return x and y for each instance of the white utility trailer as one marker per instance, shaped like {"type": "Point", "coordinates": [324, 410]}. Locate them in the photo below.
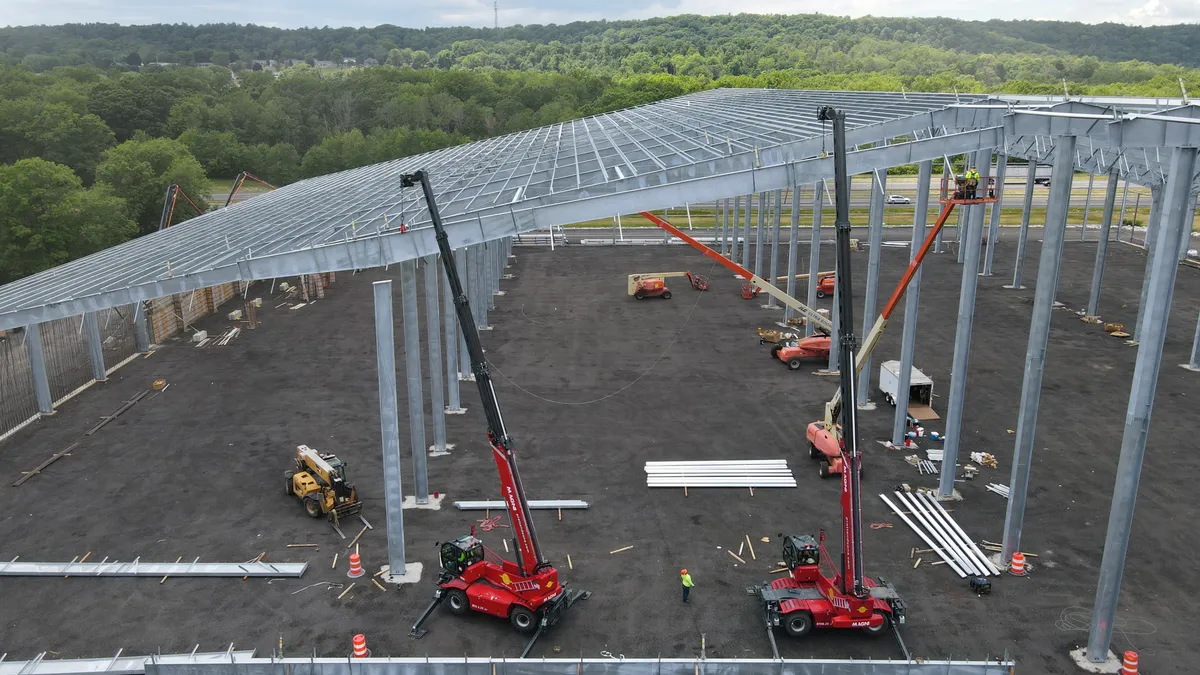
{"type": "Point", "coordinates": [920, 390]}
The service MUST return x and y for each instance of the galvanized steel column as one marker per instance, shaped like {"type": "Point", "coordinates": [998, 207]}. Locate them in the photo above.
{"type": "Point", "coordinates": [746, 233]}
{"type": "Point", "coordinates": [1055, 233]}
{"type": "Point", "coordinates": [833, 332]}
{"type": "Point", "coordinates": [389, 424]}
{"type": "Point", "coordinates": [737, 215]}
{"type": "Point", "coordinates": [1121, 218]}
{"type": "Point", "coordinates": [433, 332]}
{"type": "Point", "coordinates": [1087, 206]}
{"type": "Point", "coordinates": [963, 213]}
{"type": "Point", "coordinates": [793, 243]}
{"type": "Point", "coordinates": [1152, 225]}
{"type": "Point", "coordinates": [814, 258]}
{"type": "Point", "coordinates": [724, 223]}
{"type": "Point", "coordinates": [908, 342]}
{"type": "Point", "coordinates": [970, 249]}
{"type": "Point", "coordinates": [994, 230]}
{"type": "Point", "coordinates": [412, 373]}
{"type": "Point", "coordinates": [1177, 208]}
{"type": "Point", "coordinates": [774, 271]}
{"type": "Point", "coordinates": [141, 329]}
{"type": "Point", "coordinates": [491, 274]}
{"type": "Point", "coordinates": [95, 346]}
{"type": "Point", "coordinates": [1110, 202]}
{"type": "Point", "coordinates": [450, 328]}
{"type": "Point", "coordinates": [878, 186]}
{"type": "Point", "coordinates": [462, 258]}
{"type": "Point", "coordinates": [937, 240]}
{"type": "Point", "coordinates": [1194, 362]}
{"type": "Point", "coordinates": [758, 233]}
{"type": "Point", "coordinates": [37, 367]}
{"type": "Point", "coordinates": [1019, 263]}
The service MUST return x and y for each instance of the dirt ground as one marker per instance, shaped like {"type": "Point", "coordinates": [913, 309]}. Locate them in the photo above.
{"type": "Point", "coordinates": [594, 383]}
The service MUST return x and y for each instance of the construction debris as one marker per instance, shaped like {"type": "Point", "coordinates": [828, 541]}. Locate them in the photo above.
{"type": "Point", "coordinates": [984, 458]}
{"type": "Point", "coordinates": [620, 549]}
{"type": "Point", "coordinates": [119, 411]}
{"type": "Point", "coordinates": [936, 528]}
{"type": "Point", "coordinates": [26, 475]}
{"type": "Point", "coordinates": [739, 558]}
{"type": "Point", "coordinates": [999, 489]}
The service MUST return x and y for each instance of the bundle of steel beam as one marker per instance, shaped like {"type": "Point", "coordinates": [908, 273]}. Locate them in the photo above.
{"type": "Point", "coordinates": [926, 467]}
{"type": "Point", "coordinates": [533, 504]}
{"type": "Point", "coordinates": [999, 489]}
{"type": "Point", "coordinates": [713, 473]}
{"type": "Point", "coordinates": [136, 568]}
{"type": "Point", "coordinates": [937, 529]}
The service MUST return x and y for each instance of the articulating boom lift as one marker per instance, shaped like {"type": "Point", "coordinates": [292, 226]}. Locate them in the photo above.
{"type": "Point", "coordinates": [526, 592]}
{"type": "Point", "coordinates": [846, 598]}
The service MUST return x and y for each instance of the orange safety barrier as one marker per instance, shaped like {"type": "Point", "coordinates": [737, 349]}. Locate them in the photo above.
{"type": "Point", "coordinates": [1018, 564]}
{"type": "Point", "coordinates": [1129, 664]}
{"type": "Point", "coordinates": [356, 569]}
{"type": "Point", "coordinates": [360, 647]}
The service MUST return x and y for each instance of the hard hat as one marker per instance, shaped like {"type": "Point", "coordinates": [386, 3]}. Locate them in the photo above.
{"type": "Point", "coordinates": [683, 571]}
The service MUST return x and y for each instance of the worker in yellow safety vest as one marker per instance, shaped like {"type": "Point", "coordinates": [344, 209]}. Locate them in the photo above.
{"type": "Point", "coordinates": [972, 182]}
{"type": "Point", "coordinates": [686, 579]}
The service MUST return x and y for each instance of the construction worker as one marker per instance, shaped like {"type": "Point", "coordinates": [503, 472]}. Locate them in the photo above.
{"type": "Point", "coordinates": [686, 579]}
{"type": "Point", "coordinates": [972, 182]}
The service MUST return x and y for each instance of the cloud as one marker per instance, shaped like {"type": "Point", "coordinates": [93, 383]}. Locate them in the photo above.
{"type": "Point", "coordinates": [421, 13]}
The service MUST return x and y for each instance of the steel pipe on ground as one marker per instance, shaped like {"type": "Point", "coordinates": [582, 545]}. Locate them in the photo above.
{"type": "Point", "coordinates": [941, 511]}
{"type": "Point", "coordinates": [964, 560]}
{"type": "Point", "coordinates": [940, 550]}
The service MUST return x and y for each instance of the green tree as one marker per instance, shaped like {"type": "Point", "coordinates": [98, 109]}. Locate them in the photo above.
{"type": "Point", "coordinates": [139, 172]}
{"type": "Point", "coordinates": [281, 164]}
{"type": "Point", "coordinates": [71, 139]}
{"type": "Point", "coordinates": [336, 153]}
{"type": "Point", "coordinates": [134, 59]}
{"type": "Point", "coordinates": [47, 218]}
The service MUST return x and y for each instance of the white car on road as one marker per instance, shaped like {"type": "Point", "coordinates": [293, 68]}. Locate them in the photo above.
{"type": "Point", "coordinates": [898, 199]}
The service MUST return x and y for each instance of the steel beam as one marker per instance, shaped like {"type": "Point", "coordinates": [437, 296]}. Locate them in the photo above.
{"type": "Point", "coordinates": [994, 229]}
{"type": "Point", "coordinates": [912, 298]}
{"type": "Point", "coordinates": [389, 423]}
{"type": "Point", "coordinates": [736, 230]}
{"type": "Point", "coordinates": [875, 252]}
{"type": "Point", "coordinates": [1110, 201]}
{"type": "Point", "coordinates": [1058, 205]}
{"type": "Point", "coordinates": [1023, 237]}
{"type": "Point", "coordinates": [1152, 226]}
{"type": "Point", "coordinates": [746, 232]}
{"type": "Point", "coordinates": [763, 206]}
{"type": "Point", "coordinates": [774, 272]}
{"type": "Point", "coordinates": [141, 329]}
{"type": "Point", "coordinates": [1177, 208]}
{"type": "Point", "coordinates": [543, 504]}
{"type": "Point", "coordinates": [137, 568]}
{"type": "Point", "coordinates": [433, 340]}
{"type": "Point", "coordinates": [793, 251]}
{"type": "Point", "coordinates": [37, 368]}
{"type": "Point", "coordinates": [95, 346]}
{"type": "Point", "coordinates": [962, 338]}
{"type": "Point", "coordinates": [412, 375]}
{"type": "Point", "coordinates": [814, 256]}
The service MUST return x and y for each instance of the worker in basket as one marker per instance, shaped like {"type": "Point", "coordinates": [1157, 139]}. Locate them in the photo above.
{"type": "Point", "coordinates": [972, 182]}
{"type": "Point", "coordinates": [991, 188]}
{"type": "Point", "coordinates": [960, 187]}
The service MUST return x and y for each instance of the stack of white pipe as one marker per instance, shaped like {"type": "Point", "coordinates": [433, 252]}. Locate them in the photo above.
{"type": "Point", "coordinates": [937, 529]}
{"type": "Point", "coordinates": [999, 489]}
{"type": "Point", "coordinates": [757, 473]}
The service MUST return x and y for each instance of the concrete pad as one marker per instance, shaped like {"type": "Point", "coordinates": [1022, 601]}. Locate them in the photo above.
{"type": "Point", "coordinates": [411, 575]}
{"type": "Point", "coordinates": [434, 504]}
{"type": "Point", "coordinates": [1112, 664]}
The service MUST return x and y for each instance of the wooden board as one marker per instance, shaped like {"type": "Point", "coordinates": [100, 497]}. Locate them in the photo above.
{"type": "Point", "coordinates": [923, 412]}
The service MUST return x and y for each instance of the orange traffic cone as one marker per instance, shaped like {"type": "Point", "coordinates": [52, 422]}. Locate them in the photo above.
{"type": "Point", "coordinates": [1018, 564]}
{"type": "Point", "coordinates": [356, 569]}
{"type": "Point", "coordinates": [1130, 663]}
{"type": "Point", "coordinates": [360, 647]}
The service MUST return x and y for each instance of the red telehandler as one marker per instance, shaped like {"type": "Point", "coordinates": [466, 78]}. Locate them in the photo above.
{"type": "Point", "coordinates": [526, 592]}
{"type": "Point", "coordinates": [812, 597]}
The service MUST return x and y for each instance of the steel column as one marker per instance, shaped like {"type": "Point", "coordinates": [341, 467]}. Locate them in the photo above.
{"type": "Point", "coordinates": [994, 229]}
{"type": "Point", "coordinates": [37, 367]}
{"type": "Point", "coordinates": [463, 256]}
{"type": "Point", "coordinates": [1087, 206]}
{"type": "Point", "coordinates": [937, 240]}
{"type": "Point", "coordinates": [1152, 223]}
{"type": "Point", "coordinates": [970, 249]}
{"type": "Point", "coordinates": [1055, 233]}
{"type": "Point", "coordinates": [1177, 204]}
{"type": "Point", "coordinates": [814, 257]}
{"type": "Point", "coordinates": [389, 423]}
{"type": "Point", "coordinates": [450, 328]}
{"type": "Point", "coordinates": [725, 227]}
{"type": "Point", "coordinates": [1185, 237]}
{"type": "Point", "coordinates": [912, 298]}
{"type": "Point", "coordinates": [875, 237]}
{"type": "Point", "coordinates": [735, 230]}
{"type": "Point", "coordinates": [412, 373]}
{"type": "Point", "coordinates": [793, 242]}
{"type": "Point", "coordinates": [774, 272]}
{"type": "Point", "coordinates": [1194, 362]}
{"type": "Point", "coordinates": [141, 328]}
{"type": "Point", "coordinates": [962, 213]}
{"type": "Point", "coordinates": [1110, 201]}
{"type": "Point", "coordinates": [763, 205]}
{"type": "Point", "coordinates": [433, 339]}
{"type": "Point", "coordinates": [1023, 237]}
{"type": "Point", "coordinates": [95, 346]}
{"type": "Point", "coordinates": [746, 233]}
{"type": "Point", "coordinates": [490, 274]}
{"type": "Point", "coordinates": [1121, 218]}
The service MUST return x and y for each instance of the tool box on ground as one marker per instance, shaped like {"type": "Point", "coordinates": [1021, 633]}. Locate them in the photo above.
{"type": "Point", "coordinates": [320, 482]}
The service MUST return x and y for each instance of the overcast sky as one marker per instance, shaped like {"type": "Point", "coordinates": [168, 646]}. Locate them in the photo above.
{"type": "Point", "coordinates": [420, 13]}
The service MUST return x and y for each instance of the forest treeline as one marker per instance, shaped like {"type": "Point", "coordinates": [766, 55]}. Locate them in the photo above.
{"type": "Point", "coordinates": [92, 131]}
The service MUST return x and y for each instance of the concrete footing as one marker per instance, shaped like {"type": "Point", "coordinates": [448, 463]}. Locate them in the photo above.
{"type": "Point", "coordinates": [434, 504]}
{"type": "Point", "coordinates": [411, 575]}
{"type": "Point", "coordinates": [1110, 665]}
